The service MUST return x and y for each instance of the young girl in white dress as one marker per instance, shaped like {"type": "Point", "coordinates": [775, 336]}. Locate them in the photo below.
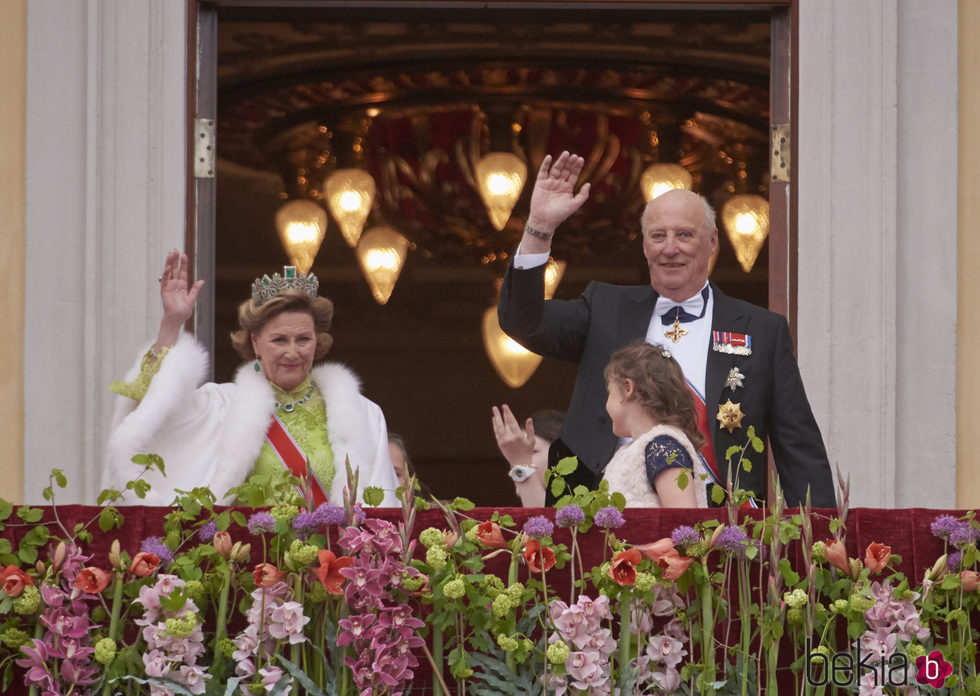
{"type": "Point", "coordinates": [650, 404]}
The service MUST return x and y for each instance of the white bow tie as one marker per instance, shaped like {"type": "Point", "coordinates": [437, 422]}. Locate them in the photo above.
{"type": "Point", "coordinates": [690, 309]}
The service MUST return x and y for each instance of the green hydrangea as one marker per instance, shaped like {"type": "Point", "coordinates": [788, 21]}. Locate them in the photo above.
{"type": "Point", "coordinates": [604, 569]}
{"type": "Point", "coordinates": [181, 628]}
{"type": "Point", "coordinates": [914, 650]}
{"type": "Point", "coordinates": [821, 650]}
{"type": "Point", "coordinates": [432, 537]}
{"type": "Point", "coordinates": [502, 605]}
{"type": "Point", "coordinates": [14, 637]}
{"type": "Point", "coordinates": [817, 552]}
{"type": "Point", "coordinates": [195, 590]}
{"type": "Point", "coordinates": [302, 554]}
{"type": "Point", "coordinates": [28, 602]}
{"type": "Point", "coordinates": [794, 616]}
{"type": "Point", "coordinates": [412, 582]}
{"type": "Point", "coordinates": [516, 593]}
{"type": "Point", "coordinates": [227, 647]}
{"type": "Point", "coordinates": [455, 588]}
{"type": "Point", "coordinates": [558, 652]}
{"type": "Point", "coordinates": [436, 557]}
{"type": "Point", "coordinates": [645, 581]}
{"type": "Point", "coordinates": [861, 603]}
{"type": "Point", "coordinates": [256, 688]}
{"type": "Point", "coordinates": [508, 643]}
{"type": "Point", "coordinates": [795, 599]}
{"type": "Point", "coordinates": [317, 594]}
{"type": "Point", "coordinates": [839, 606]}
{"type": "Point", "coordinates": [284, 512]}
{"type": "Point", "coordinates": [492, 585]}
{"type": "Point", "coordinates": [470, 533]}
{"type": "Point", "coordinates": [105, 651]}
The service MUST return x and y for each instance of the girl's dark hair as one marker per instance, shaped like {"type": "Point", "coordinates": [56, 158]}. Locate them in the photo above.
{"type": "Point", "coordinates": [660, 386]}
{"type": "Point", "coordinates": [252, 318]}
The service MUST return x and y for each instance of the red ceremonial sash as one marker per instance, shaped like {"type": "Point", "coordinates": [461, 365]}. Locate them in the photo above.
{"type": "Point", "coordinates": [704, 425]}
{"type": "Point", "coordinates": [292, 457]}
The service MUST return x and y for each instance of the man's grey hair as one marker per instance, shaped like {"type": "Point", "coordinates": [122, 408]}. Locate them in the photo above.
{"type": "Point", "coordinates": [709, 212]}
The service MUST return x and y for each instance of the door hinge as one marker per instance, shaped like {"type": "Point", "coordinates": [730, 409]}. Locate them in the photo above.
{"type": "Point", "coordinates": [204, 148]}
{"type": "Point", "coordinates": [779, 150]}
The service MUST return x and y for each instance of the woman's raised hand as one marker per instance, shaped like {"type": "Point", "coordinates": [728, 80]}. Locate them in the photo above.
{"type": "Point", "coordinates": [178, 299]}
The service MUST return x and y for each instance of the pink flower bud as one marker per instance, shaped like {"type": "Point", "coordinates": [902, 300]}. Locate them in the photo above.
{"type": "Point", "coordinates": [60, 551]}
{"type": "Point", "coordinates": [115, 556]}
{"type": "Point", "coordinates": [222, 544]}
{"type": "Point", "coordinates": [243, 553]}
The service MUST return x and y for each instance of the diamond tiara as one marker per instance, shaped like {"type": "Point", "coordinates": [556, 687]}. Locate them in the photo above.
{"type": "Point", "coordinates": [265, 288]}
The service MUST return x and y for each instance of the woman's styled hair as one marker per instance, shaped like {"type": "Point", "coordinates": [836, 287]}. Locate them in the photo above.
{"type": "Point", "coordinates": [660, 386]}
{"type": "Point", "coordinates": [252, 318]}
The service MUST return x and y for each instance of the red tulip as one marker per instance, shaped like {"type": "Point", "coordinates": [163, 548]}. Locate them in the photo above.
{"type": "Point", "coordinates": [490, 535]}
{"type": "Point", "coordinates": [836, 554]}
{"type": "Point", "coordinates": [93, 580]}
{"type": "Point", "coordinates": [673, 564]}
{"type": "Point", "coordinates": [144, 564]}
{"type": "Point", "coordinates": [538, 557]}
{"type": "Point", "coordinates": [267, 575]}
{"type": "Point", "coordinates": [13, 580]}
{"type": "Point", "coordinates": [877, 556]}
{"type": "Point", "coordinates": [623, 569]}
{"type": "Point", "coordinates": [653, 551]}
{"type": "Point", "coordinates": [969, 580]}
{"type": "Point", "coordinates": [328, 572]}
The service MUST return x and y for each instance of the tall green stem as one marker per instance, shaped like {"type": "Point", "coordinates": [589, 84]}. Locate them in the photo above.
{"type": "Point", "coordinates": [295, 650]}
{"type": "Point", "coordinates": [625, 637]}
{"type": "Point", "coordinates": [224, 571]}
{"type": "Point", "coordinates": [117, 592]}
{"type": "Point", "coordinates": [512, 615]}
{"type": "Point", "coordinates": [707, 629]}
{"type": "Point", "coordinates": [437, 657]}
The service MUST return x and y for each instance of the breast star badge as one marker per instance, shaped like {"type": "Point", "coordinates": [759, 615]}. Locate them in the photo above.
{"type": "Point", "coordinates": [734, 380]}
{"type": "Point", "coordinates": [730, 415]}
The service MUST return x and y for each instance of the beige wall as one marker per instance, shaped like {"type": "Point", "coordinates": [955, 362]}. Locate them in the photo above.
{"type": "Point", "coordinates": [13, 119]}
{"type": "Point", "coordinates": [968, 304]}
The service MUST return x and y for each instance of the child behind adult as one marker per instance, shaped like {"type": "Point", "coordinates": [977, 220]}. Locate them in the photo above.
{"type": "Point", "coordinates": [649, 401]}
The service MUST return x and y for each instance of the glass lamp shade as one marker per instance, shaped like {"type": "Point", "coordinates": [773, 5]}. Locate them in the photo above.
{"type": "Point", "coordinates": [552, 276]}
{"type": "Point", "coordinates": [500, 178]}
{"type": "Point", "coordinates": [349, 194]}
{"type": "Point", "coordinates": [514, 363]}
{"type": "Point", "coordinates": [382, 253]}
{"type": "Point", "coordinates": [746, 221]}
{"type": "Point", "coordinates": [662, 177]}
{"type": "Point", "coordinates": [301, 226]}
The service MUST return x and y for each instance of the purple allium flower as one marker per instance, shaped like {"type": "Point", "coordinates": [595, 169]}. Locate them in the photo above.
{"type": "Point", "coordinates": [154, 544]}
{"type": "Point", "coordinates": [685, 536]}
{"type": "Point", "coordinates": [965, 534]}
{"type": "Point", "coordinates": [944, 525]}
{"type": "Point", "coordinates": [305, 523]}
{"type": "Point", "coordinates": [261, 523]}
{"type": "Point", "coordinates": [207, 531]}
{"type": "Point", "coordinates": [570, 516]}
{"type": "Point", "coordinates": [609, 518]}
{"type": "Point", "coordinates": [732, 539]}
{"type": "Point", "coordinates": [953, 561]}
{"type": "Point", "coordinates": [328, 513]}
{"type": "Point", "coordinates": [538, 526]}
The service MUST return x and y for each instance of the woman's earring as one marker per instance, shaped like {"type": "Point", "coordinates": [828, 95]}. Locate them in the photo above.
{"type": "Point", "coordinates": [258, 365]}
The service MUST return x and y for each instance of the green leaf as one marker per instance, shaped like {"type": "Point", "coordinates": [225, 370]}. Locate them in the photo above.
{"type": "Point", "coordinates": [373, 496]}
{"type": "Point", "coordinates": [110, 518]}
{"type": "Point", "coordinates": [107, 494]}
{"type": "Point", "coordinates": [746, 465]}
{"type": "Point", "coordinates": [567, 465]}
{"type": "Point", "coordinates": [682, 480]}
{"type": "Point", "coordinates": [618, 500]}
{"type": "Point", "coordinates": [557, 486]}
{"type": "Point", "coordinates": [6, 509]}
{"type": "Point", "coordinates": [757, 444]}
{"type": "Point", "coordinates": [717, 495]}
{"type": "Point", "coordinates": [789, 575]}
{"type": "Point", "coordinates": [835, 525]}
{"type": "Point", "coordinates": [732, 451]}
{"type": "Point", "coordinates": [462, 504]}
{"type": "Point", "coordinates": [27, 555]}
{"type": "Point", "coordinates": [47, 493]}
{"type": "Point", "coordinates": [29, 514]}
{"type": "Point", "coordinates": [59, 477]}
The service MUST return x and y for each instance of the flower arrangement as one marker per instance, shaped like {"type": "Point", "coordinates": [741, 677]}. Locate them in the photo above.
{"type": "Point", "coordinates": [330, 600]}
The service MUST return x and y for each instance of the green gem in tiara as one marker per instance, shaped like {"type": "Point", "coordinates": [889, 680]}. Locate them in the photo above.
{"type": "Point", "coordinates": [265, 288]}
